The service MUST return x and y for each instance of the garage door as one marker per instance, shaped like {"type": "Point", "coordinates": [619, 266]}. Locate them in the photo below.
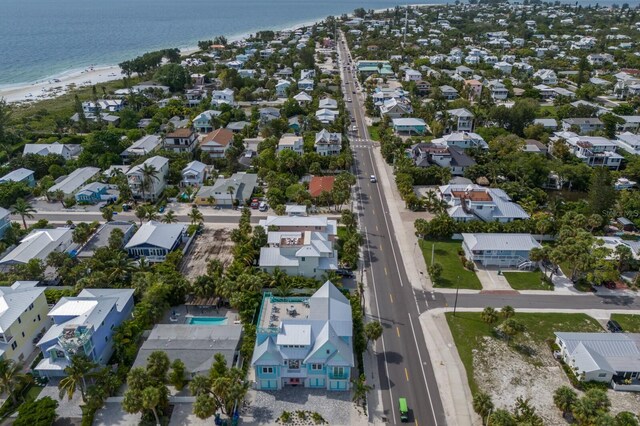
{"type": "Point", "coordinates": [317, 383]}
{"type": "Point", "coordinates": [268, 384]}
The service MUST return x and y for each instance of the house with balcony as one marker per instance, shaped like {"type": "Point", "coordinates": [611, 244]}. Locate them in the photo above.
{"type": "Point", "coordinates": [281, 88]}
{"type": "Point", "coordinates": [194, 174]}
{"type": "Point", "coordinates": [466, 203]}
{"type": "Point", "coordinates": [203, 122]}
{"type": "Point", "coordinates": [227, 192]}
{"type": "Point", "coordinates": [497, 249]}
{"type": "Point", "coordinates": [475, 88]}
{"type": "Point", "coordinates": [291, 142]}
{"type": "Point", "coordinates": [409, 126]}
{"type": "Point", "coordinates": [93, 193]}
{"type": "Point", "coordinates": [498, 90]}
{"type": "Point", "coordinates": [449, 93]}
{"type": "Point", "coordinates": [594, 151]}
{"type": "Point", "coordinates": [546, 76]}
{"type": "Point", "coordinates": [394, 108]}
{"type": "Point", "coordinates": [302, 223]}
{"type": "Point", "coordinates": [217, 143]}
{"type": "Point", "coordinates": [412, 75]}
{"type": "Point", "coordinates": [305, 253]}
{"type": "Point", "coordinates": [38, 244]}
{"type": "Point", "coordinates": [23, 319]}
{"type": "Point", "coordinates": [454, 159]}
{"type": "Point", "coordinates": [143, 146]}
{"type": "Point", "coordinates": [629, 142]}
{"type": "Point", "coordinates": [612, 358]}
{"type": "Point", "coordinates": [148, 187]}
{"type": "Point", "coordinates": [327, 143]}
{"type": "Point", "coordinates": [461, 120]}
{"type": "Point", "coordinates": [181, 140]}
{"type": "Point", "coordinates": [83, 325]}
{"type": "Point", "coordinates": [23, 175]}
{"type": "Point", "coordinates": [583, 125]}
{"type": "Point", "coordinates": [155, 240]}
{"type": "Point", "coordinates": [225, 96]}
{"type": "Point", "coordinates": [303, 98]}
{"type": "Point", "coordinates": [306, 84]}
{"type": "Point", "coordinates": [463, 140]}
{"type": "Point", "coordinates": [304, 341]}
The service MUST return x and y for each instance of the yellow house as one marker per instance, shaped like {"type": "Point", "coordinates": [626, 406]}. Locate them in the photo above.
{"type": "Point", "coordinates": [23, 319]}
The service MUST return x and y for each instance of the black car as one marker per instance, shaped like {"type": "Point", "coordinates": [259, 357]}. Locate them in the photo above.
{"type": "Point", "coordinates": [345, 273]}
{"type": "Point", "coordinates": [614, 327]}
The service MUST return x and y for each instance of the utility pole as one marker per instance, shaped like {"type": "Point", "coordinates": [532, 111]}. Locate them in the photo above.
{"type": "Point", "coordinates": [433, 252]}
{"type": "Point", "coordinates": [455, 303]}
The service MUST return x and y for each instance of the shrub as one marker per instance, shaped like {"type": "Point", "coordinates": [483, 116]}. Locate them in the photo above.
{"type": "Point", "coordinates": [317, 418]}
{"type": "Point", "coordinates": [285, 417]}
{"type": "Point", "coordinates": [470, 265]}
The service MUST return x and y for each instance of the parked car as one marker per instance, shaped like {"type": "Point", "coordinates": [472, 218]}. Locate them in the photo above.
{"type": "Point", "coordinates": [255, 203]}
{"type": "Point", "coordinates": [613, 326]}
{"type": "Point", "coordinates": [263, 207]}
{"type": "Point", "coordinates": [373, 179]}
{"type": "Point", "coordinates": [343, 272]}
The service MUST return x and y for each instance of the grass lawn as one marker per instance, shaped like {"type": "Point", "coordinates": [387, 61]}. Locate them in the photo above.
{"type": "Point", "coordinates": [468, 330]}
{"type": "Point", "coordinates": [33, 393]}
{"type": "Point", "coordinates": [373, 133]}
{"type": "Point", "coordinates": [446, 253]}
{"type": "Point", "coordinates": [630, 323]}
{"type": "Point", "coordinates": [526, 281]}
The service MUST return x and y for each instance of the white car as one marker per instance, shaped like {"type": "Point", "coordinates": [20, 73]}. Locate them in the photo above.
{"type": "Point", "coordinates": [373, 179]}
{"type": "Point", "coordinates": [348, 99]}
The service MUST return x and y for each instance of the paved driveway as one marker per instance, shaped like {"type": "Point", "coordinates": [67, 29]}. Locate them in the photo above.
{"type": "Point", "coordinates": [490, 279]}
{"type": "Point", "coordinates": [66, 408]}
{"type": "Point", "coordinates": [112, 414]}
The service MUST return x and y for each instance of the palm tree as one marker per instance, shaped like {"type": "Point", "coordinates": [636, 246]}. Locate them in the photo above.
{"type": "Point", "coordinates": [11, 377]}
{"type": "Point", "coordinates": [141, 213]}
{"type": "Point", "coordinates": [76, 372]}
{"type": "Point", "coordinates": [196, 216]}
{"type": "Point", "coordinates": [120, 266]}
{"type": "Point", "coordinates": [107, 213]}
{"type": "Point", "coordinates": [149, 173]}
{"type": "Point", "coordinates": [283, 289]}
{"type": "Point", "coordinates": [169, 217]}
{"type": "Point", "coordinates": [152, 213]}
{"type": "Point", "coordinates": [23, 209]}
{"type": "Point", "coordinates": [489, 315]}
{"type": "Point", "coordinates": [151, 400]}
{"type": "Point", "coordinates": [231, 190]}
{"type": "Point", "coordinates": [360, 389]}
{"type": "Point", "coordinates": [565, 398]}
{"type": "Point", "coordinates": [59, 196]}
{"type": "Point", "coordinates": [372, 331]}
{"type": "Point", "coordinates": [507, 311]}
{"type": "Point", "coordinates": [482, 404]}
{"type": "Point", "coordinates": [211, 200]}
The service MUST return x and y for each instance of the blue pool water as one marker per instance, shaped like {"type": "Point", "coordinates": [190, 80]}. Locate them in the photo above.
{"type": "Point", "coordinates": [207, 321]}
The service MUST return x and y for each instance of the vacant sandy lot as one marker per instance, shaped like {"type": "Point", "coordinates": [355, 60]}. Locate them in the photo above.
{"type": "Point", "coordinates": [506, 375]}
{"type": "Point", "coordinates": [211, 244]}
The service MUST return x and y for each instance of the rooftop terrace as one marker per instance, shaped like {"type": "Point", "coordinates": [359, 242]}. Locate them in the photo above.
{"type": "Point", "coordinates": [276, 309]}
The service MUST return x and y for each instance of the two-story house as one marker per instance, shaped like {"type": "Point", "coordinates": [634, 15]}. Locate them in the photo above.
{"type": "Point", "coordinates": [235, 190]}
{"type": "Point", "coordinates": [181, 140]}
{"type": "Point", "coordinates": [394, 108]}
{"type": "Point", "coordinates": [23, 319]}
{"type": "Point", "coordinates": [304, 341]}
{"type": "Point", "coordinates": [502, 250]}
{"type": "Point", "coordinates": [203, 123]}
{"type": "Point", "coordinates": [629, 142]}
{"type": "Point", "coordinates": [461, 120]}
{"type": "Point", "coordinates": [546, 76]}
{"type": "Point", "coordinates": [291, 142]}
{"type": "Point", "coordinates": [83, 325]}
{"type": "Point", "coordinates": [194, 174]}
{"type": "Point", "coordinates": [217, 143]}
{"type": "Point", "coordinates": [583, 125]}
{"type": "Point", "coordinates": [474, 88]}
{"type": "Point", "coordinates": [448, 92]}
{"type": "Point", "coordinates": [467, 203]}
{"type": "Point", "coordinates": [148, 186]}
{"type": "Point", "coordinates": [452, 158]}
{"type": "Point", "coordinates": [93, 193]}
{"type": "Point", "coordinates": [155, 240]}
{"type": "Point", "coordinates": [225, 96]}
{"type": "Point", "coordinates": [281, 88]}
{"type": "Point", "coordinates": [464, 140]}
{"type": "Point", "coordinates": [328, 143]}
{"type": "Point", "coordinates": [70, 184]}
{"type": "Point", "coordinates": [595, 151]}
{"type": "Point", "coordinates": [498, 90]}
{"type": "Point", "coordinates": [143, 146]}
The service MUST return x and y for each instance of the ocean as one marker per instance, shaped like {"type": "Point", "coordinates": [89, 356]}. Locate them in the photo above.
{"type": "Point", "coordinates": [44, 38]}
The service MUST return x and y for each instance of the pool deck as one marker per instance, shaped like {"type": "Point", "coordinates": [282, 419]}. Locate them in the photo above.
{"type": "Point", "coordinates": [184, 313]}
{"type": "Point", "coordinates": [274, 310]}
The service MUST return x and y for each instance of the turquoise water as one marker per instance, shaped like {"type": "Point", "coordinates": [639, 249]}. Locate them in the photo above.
{"type": "Point", "coordinates": [207, 321]}
{"type": "Point", "coordinates": [44, 38]}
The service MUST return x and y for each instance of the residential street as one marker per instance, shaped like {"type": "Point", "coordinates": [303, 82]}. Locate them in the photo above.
{"type": "Point", "coordinates": [403, 360]}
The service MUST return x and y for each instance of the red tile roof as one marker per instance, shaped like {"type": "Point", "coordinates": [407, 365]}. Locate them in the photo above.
{"type": "Point", "coordinates": [220, 136]}
{"type": "Point", "coordinates": [320, 184]}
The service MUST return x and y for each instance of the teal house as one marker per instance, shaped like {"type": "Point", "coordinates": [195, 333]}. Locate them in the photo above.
{"type": "Point", "coordinates": [5, 222]}
{"type": "Point", "coordinates": [20, 175]}
{"type": "Point", "coordinates": [93, 193]}
{"type": "Point", "coordinates": [304, 341]}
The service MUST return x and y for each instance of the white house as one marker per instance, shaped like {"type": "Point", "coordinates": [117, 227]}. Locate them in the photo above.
{"type": "Point", "coordinates": [181, 140]}
{"type": "Point", "coordinates": [66, 151]}
{"type": "Point", "coordinates": [415, 126]}
{"type": "Point", "coordinates": [143, 146]}
{"type": "Point", "coordinates": [462, 119]}
{"type": "Point", "coordinates": [291, 142]}
{"type": "Point", "coordinates": [503, 67]}
{"type": "Point", "coordinates": [38, 244]}
{"type": "Point", "coordinates": [595, 151]}
{"type": "Point", "coordinates": [629, 142]}
{"type": "Point", "coordinates": [217, 142]}
{"type": "Point", "coordinates": [74, 181]}
{"type": "Point", "coordinates": [155, 240]}
{"type": "Point", "coordinates": [281, 88]}
{"type": "Point", "coordinates": [326, 116]}
{"type": "Point", "coordinates": [225, 96]}
{"type": "Point", "coordinates": [498, 90]}
{"type": "Point", "coordinates": [303, 98]}
{"type": "Point", "coordinates": [194, 174]}
{"type": "Point", "coordinates": [497, 249]}
{"type": "Point", "coordinates": [471, 202]}
{"type": "Point", "coordinates": [603, 357]}
{"type": "Point", "coordinates": [462, 140]}
{"type": "Point", "coordinates": [393, 108]}
{"type": "Point", "coordinates": [412, 75]}
{"type": "Point", "coordinates": [148, 187]}
{"type": "Point", "coordinates": [547, 76]}
{"type": "Point", "coordinates": [327, 143]}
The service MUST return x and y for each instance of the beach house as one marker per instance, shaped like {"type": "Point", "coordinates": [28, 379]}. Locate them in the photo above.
{"type": "Point", "coordinates": [327, 143]}
{"type": "Point", "coordinates": [66, 151]}
{"type": "Point", "coordinates": [83, 325]}
{"type": "Point", "coordinates": [291, 142]}
{"type": "Point", "coordinates": [38, 244]}
{"type": "Point", "coordinates": [23, 175]}
{"type": "Point", "coordinates": [226, 192]}
{"type": "Point", "coordinates": [217, 142]}
{"type": "Point", "coordinates": [502, 250]}
{"type": "Point", "coordinates": [143, 146]}
{"type": "Point", "coordinates": [23, 319]}
{"type": "Point", "coordinates": [72, 183]}
{"type": "Point", "coordinates": [148, 186]}
{"type": "Point", "coordinates": [304, 341]}
{"type": "Point", "coordinates": [155, 240]}
{"type": "Point", "coordinates": [181, 140]}
{"type": "Point", "coordinates": [194, 174]}
{"type": "Point", "coordinates": [471, 202]}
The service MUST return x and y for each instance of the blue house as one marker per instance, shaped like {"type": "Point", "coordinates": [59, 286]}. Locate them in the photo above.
{"type": "Point", "coordinates": [4, 221]}
{"type": "Point", "coordinates": [83, 325]}
{"type": "Point", "coordinates": [409, 126]}
{"type": "Point", "coordinates": [304, 341]}
{"type": "Point", "coordinates": [20, 175]}
{"type": "Point", "coordinates": [155, 240]}
{"type": "Point", "coordinates": [93, 192]}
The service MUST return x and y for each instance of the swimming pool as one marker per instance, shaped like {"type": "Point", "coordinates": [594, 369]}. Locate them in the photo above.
{"type": "Point", "coordinates": [207, 321]}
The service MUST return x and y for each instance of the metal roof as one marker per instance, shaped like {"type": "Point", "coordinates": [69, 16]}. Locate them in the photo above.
{"type": "Point", "coordinates": [75, 180]}
{"type": "Point", "coordinates": [17, 175]}
{"type": "Point", "coordinates": [157, 234]}
{"type": "Point", "coordinates": [15, 300]}
{"type": "Point", "coordinates": [38, 244]}
{"type": "Point", "coordinates": [500, 241]}
{"type": "Point", "coordinates": [605, 351]}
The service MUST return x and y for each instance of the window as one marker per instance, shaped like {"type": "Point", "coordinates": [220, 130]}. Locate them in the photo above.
{"type": "Point", "coordinates": [602, 375]}
{"type": "Point", "coordinates": [316, 366]}
{"type": "Point", "coordinates": [38, 317]}
{"type": "Point", "coordinates": [267, 370]}
{"type": "Point", "coordinates": [294, 364]}
{"type": "Point", "coordinates": [23, 334]}
{"type": "Point", "coordinates": [19, 320]}
{"type": "Point", "coordinates": [338, 371]}
{"type": "Point", "coordinates": [14, 345]}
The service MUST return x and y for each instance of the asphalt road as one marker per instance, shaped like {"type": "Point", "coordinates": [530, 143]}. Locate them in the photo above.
{"type": "Point", "coordinates": [404, 366]}
{"type": "Point", "coordinates": [63, 217]}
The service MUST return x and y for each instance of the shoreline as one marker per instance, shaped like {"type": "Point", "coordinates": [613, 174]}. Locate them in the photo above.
{"type": "Point", "coordinates": [59, 84]}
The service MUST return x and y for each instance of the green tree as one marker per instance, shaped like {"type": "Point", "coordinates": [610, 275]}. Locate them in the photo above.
{"type": "Point", "coordinates": [151, 397]}
{"type": "Point", "coordinates": [373, 331]}
{"type": "Point", "coordinates": [489, 315]}
{"type": "Point", "coordinates": [501, 417]}
{"type": "Point", "coordinates": [360, 389]}
{"type": "Point", "coordinates": [177, 374]}
{"type": "Point", "coordinates": [41, 412]}
{"type": "Point", "coordinates": [564, 398]}
{"type": "Point", "coordinates": [149, 173]}
{"type": "Point", "coordinates": [77, 372]}
{"type": "Point", "coordinates": [107, 213]}
{"type": "Point", "coordinates": [507, 311]}
{"type": "Point", "coordinates": [172, 75]}
{"type": "Point", "coordinates": [602, 194]}
{"type": "Point", "coordinates": [435, 271]}
{"type": "Point", "coordinates": [11, 377]}
{"type": "Point", "coordinates": [23, 209]}
{"type": "Point", "coordinates": [512, 328]}
{"type": "Point", "coordinates": [482, 404]}
{"type": "Point", "coordinates": [169, 217]}
{"type": "Point", "coordinates": [141, 213]}
{"type": "Point", "coordinates": [196, 216]}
